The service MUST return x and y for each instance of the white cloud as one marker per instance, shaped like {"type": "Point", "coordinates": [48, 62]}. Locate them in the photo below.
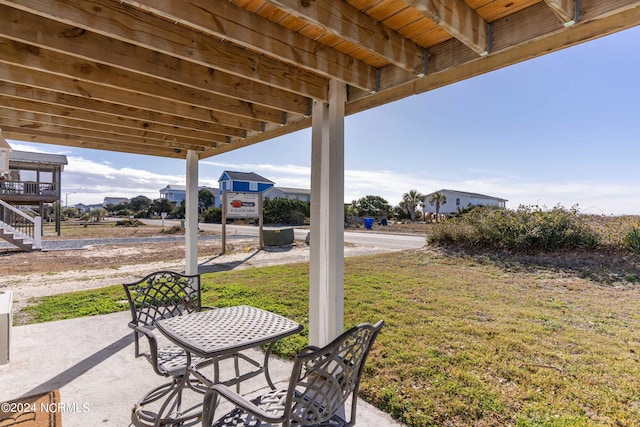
{"type": "Point", "coordinates": [90, 182]}
{"type": "Point", "coordinates": [87, 181]}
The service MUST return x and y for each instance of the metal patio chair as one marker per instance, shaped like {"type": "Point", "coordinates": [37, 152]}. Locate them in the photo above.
{"type": "Point", "coordinates": [161, 295]}
{"type": "Point", "coordinates": [321, 382]}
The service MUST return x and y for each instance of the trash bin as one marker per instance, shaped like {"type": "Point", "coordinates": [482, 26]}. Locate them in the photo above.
{"type": "Point", "coordinates": [368, 223]}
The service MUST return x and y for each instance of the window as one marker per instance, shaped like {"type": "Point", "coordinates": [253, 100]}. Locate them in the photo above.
{"type": "Point", "coordinates": [253, 186]}
{"type": "Point", "coordinates": [227, 185]}
{"type": "Point", "coordinates": [458, 201]}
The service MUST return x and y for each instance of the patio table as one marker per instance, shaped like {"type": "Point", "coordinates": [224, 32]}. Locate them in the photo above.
{"type": "Point", "coordinates": [217, 334]}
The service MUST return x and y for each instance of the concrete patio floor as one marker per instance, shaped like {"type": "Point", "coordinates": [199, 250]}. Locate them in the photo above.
{"type": "Point", "coordinates": [91, 361]}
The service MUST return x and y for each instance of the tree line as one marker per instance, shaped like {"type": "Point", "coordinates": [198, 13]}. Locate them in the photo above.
{"type": "Point", "coordinates": [275, 211]}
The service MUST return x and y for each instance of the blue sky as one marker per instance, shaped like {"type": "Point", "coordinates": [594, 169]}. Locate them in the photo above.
{"type": "Point", "coordinates": [562, 129]}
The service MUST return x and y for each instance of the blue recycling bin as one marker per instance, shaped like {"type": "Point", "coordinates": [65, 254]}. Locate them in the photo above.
{"type": "Point", "coordinates": [368, 223]}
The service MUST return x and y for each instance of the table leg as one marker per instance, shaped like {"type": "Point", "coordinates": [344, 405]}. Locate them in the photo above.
{"type": "Point", "coordinates": [265, 365]}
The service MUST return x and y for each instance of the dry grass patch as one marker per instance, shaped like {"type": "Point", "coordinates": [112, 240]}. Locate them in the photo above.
{"type": "Point", "coordinates": [468, 342]}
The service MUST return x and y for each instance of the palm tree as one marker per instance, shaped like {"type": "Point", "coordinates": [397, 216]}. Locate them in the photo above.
{"type": "Point", "coordinates": [439, 199]}
{"type": "Point", "coordinates": [411, 201]}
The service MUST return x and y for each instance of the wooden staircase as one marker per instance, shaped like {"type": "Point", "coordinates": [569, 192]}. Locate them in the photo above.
{"type": "Point", "coordinates": [16, 240]}
{"type": "Point", "coordinates": [20, 229]}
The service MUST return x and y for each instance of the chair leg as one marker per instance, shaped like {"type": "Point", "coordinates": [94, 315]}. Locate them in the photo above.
{"type": "Point", "coordinates": [210, 405]}
{"type": "Point", "coordinates": [136, 338]}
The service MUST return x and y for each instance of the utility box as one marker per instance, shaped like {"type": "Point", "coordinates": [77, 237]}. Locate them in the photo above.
{"type": "Point", "coordinates": [278, 237]}
{"type": "Point", "coordinates": [5, 325]}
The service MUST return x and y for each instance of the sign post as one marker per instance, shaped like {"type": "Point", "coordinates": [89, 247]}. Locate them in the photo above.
{"type": "Point", "coordinates": [240, 205]}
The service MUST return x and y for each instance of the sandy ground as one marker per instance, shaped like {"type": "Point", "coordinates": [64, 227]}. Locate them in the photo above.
{"type": "Point", "coordinates": [35, 274]}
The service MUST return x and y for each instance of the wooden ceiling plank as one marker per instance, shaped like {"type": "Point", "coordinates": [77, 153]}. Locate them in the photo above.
{"type": "Point", "coordinates": [99, 119]}
{"type": "Point", "coordinates": [59, 37]}
{"type": "Point", "coordinates": [48, 124]}
{"type": "Point", "coordinates": [39, 136]}
{"type": "Point", "coordinates": [230, 124]}
{"type": "Point", "coordinates": [459, 20]}
{"type": "Point", "coordinates": [493, 10]}
{"type": "Point", "coordinates": [34, 95]}
{"type": "Point", "coordinates": [346, 22]}
{"type": "Point", "coordinates": [130, 25]}
{"type": "Point", "coordinates": [122, 131]}
{"type": "Point", "coordinates": [226, 21]}
{"type": "Point", "coordinates": [63, 65]}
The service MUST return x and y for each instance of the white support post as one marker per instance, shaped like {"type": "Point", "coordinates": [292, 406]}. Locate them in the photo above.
{"type": "Point", "coordinates": [37, 232]}
{"type": "Point", "coordinates": [326, 269]}
{"type": "Point", "coordinates": [6, 320]}
{"type": "Point", "coordinates": [191, 213]}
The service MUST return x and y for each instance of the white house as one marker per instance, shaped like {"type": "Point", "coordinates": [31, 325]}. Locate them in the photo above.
{"type": "Point", "coordinates": [458, 200]}
{"type": "Point", "coordinates": [174, 193]}
{"type": "Point", "coordinates": [287, 193]}
{"type": "Point", "coordinates": [177, 194]}
{"type": "Point", "coordinates": [114, 201]}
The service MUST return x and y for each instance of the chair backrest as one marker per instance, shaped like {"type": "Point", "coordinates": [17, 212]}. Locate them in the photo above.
{"type": "Point", "coordinates": [324, 378]}
{"type": "Point", "coordinates": [161, 295]}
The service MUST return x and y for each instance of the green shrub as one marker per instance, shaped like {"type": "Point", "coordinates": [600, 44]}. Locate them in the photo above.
{"type": "Point", "coordinates": [526, 229]}
{"type": "Point", "coordinates": [632, 240]}
{"type": "Point", "coordinates": [285, 211]}
{"type": "Point", "coordinates": [212, 215]}
{"type": "Point", "coordinates": [129, 223]}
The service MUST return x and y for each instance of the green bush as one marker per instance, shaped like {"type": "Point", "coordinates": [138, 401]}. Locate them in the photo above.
{"type": "Point", "coordinates": [528, 228]}
{"type": "Point", "coordinates": [129, 223]}
{"type": "Point", "coordinates": [285, 211]}
{"type": "Point", "coordinates": [212, 215]}
{"type": "Point", "coordinates": [632, 240]}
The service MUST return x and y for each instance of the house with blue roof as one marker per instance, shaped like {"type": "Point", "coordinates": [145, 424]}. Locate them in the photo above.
{"type": "Point", "coordinates": [245, 182]}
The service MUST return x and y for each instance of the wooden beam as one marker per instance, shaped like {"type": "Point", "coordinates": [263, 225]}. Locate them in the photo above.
{"type": "Point", "coordinates": [38, 136]}
{"type": "Point", "coordinates": [43, 124]}
{"type": "Point", "coordinates": [236, 143]}
{"type": "Point", "coordinates": [47, 61]}
{"type": "Point", "coordinates": [565, 10]}
{"type": "Point", "coordinates": [205, 130]}
{"type": "Point", "coordinates": [95, 118]}
{"type": "Point", "coordinates": [459, 20]}
{"type": "Point", "coordinates": [131, 25]}
{"type": "Point", "coordinates": [223, 20]}
{"type": "Point", "coordinates": [46, 33]}
{"type": "Point", "coordinates": [38, 120]}
{"type": "Point", "coordinates": [231, 125]}
{"type": "Point", "coordinates": [345, 21]}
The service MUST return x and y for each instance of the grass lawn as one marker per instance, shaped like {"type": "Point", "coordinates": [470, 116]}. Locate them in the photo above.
{"type": "Point", "coordinates": [467, 341]}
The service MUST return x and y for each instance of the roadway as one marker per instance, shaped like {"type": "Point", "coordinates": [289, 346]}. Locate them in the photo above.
{"type": "Point", "coordinates": [374, 237]}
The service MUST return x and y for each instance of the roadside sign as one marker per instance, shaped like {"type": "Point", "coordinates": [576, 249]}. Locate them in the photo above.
{"type": "Point", "coordinates": [242, 205]}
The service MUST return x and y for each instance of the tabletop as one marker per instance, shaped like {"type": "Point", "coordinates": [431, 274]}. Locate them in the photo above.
{"type": "Point", "coordinates": [219, 331]}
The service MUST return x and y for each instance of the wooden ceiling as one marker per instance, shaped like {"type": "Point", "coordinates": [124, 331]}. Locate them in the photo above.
{"type": "Point", "coordinates": [161, 77]}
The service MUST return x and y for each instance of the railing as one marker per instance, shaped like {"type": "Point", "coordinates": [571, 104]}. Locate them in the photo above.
{"type": "Point", "coordinates": [21, 224]}
{"type": "Point", "coordinates": [28, 188]}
